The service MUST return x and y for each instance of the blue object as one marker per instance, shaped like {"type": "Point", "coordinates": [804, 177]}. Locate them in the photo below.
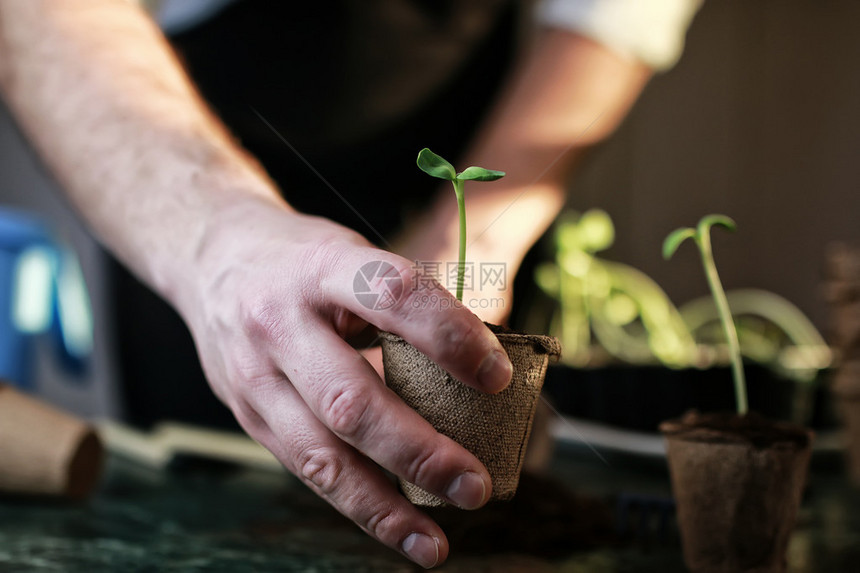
{"type": "Point", "coordinates": [41, 291]}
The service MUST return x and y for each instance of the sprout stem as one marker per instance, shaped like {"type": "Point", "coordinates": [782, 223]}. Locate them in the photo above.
{"type": "Point", "coordinates": [704, 240]}
{"type": "Point", "coordinates": [461, 265]}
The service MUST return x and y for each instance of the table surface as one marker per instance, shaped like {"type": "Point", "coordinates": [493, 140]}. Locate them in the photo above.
{"type": "Point", "coordinates": [204, 517]}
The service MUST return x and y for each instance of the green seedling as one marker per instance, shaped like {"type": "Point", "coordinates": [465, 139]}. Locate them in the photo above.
{"type": "Point", "coordinates": [701, 235]}
{"type": "Point", "coordinates": [433, 165]}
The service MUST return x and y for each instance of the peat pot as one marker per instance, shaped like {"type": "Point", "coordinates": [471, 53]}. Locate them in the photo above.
{"type": "Point", "coordinates": [737, 482]}
{"type": "Point", "coordinates": [494, 427]}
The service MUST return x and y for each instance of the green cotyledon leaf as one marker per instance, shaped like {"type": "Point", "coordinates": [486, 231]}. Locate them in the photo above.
{"type": "Point", "coordinates": [480, 174]}
{"type": "Point", "coordinates": [709, 221]}
{"type": "Point", "coordinates": [433, 165]}
{"type": "Point", "coordinates": [674, 240]}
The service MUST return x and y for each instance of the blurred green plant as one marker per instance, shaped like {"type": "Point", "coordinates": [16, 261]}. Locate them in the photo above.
{"type": "Point", "coordinates": [625, 311]}
{"type": "Point", "coordinates": [771, 331]}
{"type": "Point", "coordinates": [604, 307]}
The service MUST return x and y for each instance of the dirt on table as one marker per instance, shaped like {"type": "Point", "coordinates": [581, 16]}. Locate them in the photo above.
{"type": "Point", "coordinates": [544, 519]}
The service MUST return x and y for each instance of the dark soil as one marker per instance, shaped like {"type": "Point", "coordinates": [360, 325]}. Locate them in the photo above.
{"type": "Point", "coordinates": [544, 519]}
{"type": "Point", "coordinates": [722, 427]}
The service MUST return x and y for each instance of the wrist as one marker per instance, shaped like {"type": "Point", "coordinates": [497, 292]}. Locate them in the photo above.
{"type": "Point", "coordinates": [220, 205]}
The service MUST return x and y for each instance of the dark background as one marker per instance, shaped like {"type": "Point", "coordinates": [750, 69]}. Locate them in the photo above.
{"type": "Point", "coordinates": [759, 120]}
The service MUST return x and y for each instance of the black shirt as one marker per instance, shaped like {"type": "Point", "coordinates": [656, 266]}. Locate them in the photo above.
{"type": "Point", "coordinates": [356, 87]}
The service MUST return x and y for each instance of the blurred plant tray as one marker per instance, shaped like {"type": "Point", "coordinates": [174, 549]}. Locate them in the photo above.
{"type": "Point", "coordinates": [606, 439]}
{"type": "Point", "coordinates": [638, 398]}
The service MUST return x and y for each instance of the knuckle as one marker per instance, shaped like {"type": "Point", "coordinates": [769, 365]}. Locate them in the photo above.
{"type": "Point", "coordinates": [268, 323]}
{"type": "Point", "coordinates": [247, 371]}
{"type": "Point", "coordinates": [319, 263]}
{"type": "Point", "coordinates": [392, 268]}
{"type": "Point", "coordinates": [453, 336]}
{"type": "Point", "coordinates": [408, 277]}
{"type": "Point", "coordinates": [318, 258]}
{"type": "Point", "coordinates": [346, 412]}
{"type": "Point", "coordinates": [322, 468]}
{"type": "Point", "coordinates": [382, 523]}
{"type": "Point", "coordinates": [422, 466]}
{"type": "Point", "coordinates": [394, 277]}
{"type": "Point", "coordinates": [248, 417]}
{"type": "Point", "coordinates": [262, 317]}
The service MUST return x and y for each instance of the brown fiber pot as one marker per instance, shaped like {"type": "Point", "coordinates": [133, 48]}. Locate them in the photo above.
{"type": "Point", "coordinates": [846, 388]}
{"type": "Point", "coordinates": [737, 483]}
{"type": "Point", "coordinates": [494, 427]}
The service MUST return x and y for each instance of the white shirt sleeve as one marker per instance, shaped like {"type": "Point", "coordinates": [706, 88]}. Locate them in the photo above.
{"type": "Point", "coordinates": [652, 31]}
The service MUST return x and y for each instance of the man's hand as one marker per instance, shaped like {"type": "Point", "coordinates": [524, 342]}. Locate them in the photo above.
{"type": "Point", "coordinates": [270, 310]}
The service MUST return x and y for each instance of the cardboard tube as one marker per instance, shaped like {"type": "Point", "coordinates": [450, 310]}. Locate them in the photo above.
{"type": "Point", "coordinates": [44, 451]}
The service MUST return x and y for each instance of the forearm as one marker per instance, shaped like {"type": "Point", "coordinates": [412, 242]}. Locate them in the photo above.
{"type": "Point", "coordinates": [568, 94]}
{"type": "Point", "coordinates": [101, 95]}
